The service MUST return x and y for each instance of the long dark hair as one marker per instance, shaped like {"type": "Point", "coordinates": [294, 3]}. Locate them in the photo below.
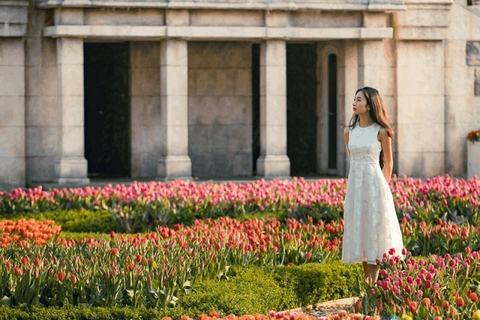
{"type": "Point", "coordinates": [377, 112]}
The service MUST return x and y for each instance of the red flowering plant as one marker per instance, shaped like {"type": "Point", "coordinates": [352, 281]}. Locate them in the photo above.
{"type": "Point", "coordinates": [473, 135]}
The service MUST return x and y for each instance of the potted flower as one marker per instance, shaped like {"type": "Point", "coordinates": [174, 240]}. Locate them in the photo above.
{"type": "Point", "coordinates": [473, 153]}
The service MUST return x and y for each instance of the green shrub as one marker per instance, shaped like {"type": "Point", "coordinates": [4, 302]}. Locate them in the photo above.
{"type": "Point", "coordinates": [261, 289]}
{"type": "Point", "coordinates": [249, 290]}
{"type": "Point", "coordinates": [77, 220]}
{"type": "Point", "coordinates": [84, 313]}
{"type": "Point", "coordinates": [314, 282]}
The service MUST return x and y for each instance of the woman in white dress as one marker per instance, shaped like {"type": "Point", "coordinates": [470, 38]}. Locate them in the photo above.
{"type": "Point", "coordinates": [371, 227]}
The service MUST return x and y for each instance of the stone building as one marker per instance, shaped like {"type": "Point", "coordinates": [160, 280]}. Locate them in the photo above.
{"type": "Point", "coordinates": [165, 89]}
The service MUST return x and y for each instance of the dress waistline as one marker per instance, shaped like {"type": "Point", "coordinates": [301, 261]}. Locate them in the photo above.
{"type": "Point", "coordinates": [364, 161]}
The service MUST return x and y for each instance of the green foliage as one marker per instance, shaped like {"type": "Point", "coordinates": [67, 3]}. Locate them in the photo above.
{"type": "Point", "coordinates": [314, 282]}
{"type": "Point", "coordinates": [84, 313]}
{"type": "Point", "coordinates": [252, 290]}
{"type": "Point", "coordinates": [77, 220]}
{"type": "Point", "coordinates": [84, 235]}
{"type": "Point", "coordinates": [248, 290]}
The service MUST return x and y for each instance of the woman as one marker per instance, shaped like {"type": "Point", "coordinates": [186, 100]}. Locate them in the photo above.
{"type": "Point", "coordinates": [371, 224]}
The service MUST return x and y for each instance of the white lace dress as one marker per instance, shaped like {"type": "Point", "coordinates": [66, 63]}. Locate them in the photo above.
{"type": "Point", "coordinates": [371, 224]}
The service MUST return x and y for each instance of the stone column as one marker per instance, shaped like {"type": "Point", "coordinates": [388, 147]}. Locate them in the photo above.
{"type": "Point", "coordinates": [70, 165]}
{"type": "Point", "coordinates": [273, 160]}
{"type": "Point", "coordinates": [174, 162]}
{"type": "Point", "coordinates": [371, 62]}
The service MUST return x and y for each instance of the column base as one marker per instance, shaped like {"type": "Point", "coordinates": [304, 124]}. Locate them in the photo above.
{"type": "Point", "coordinates": [174, 167]}
{"type": "Point", "coordinates": [71, 171]}
{"type": "Point", "coordinates": [271, 166]}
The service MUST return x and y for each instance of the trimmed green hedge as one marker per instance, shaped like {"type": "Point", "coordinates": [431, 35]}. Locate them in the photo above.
{"type": "Point", "coordinates": [261, 289]}
{"type": "Point", "coordinates": [102, 221]}
{"type": "Point", "coordinates": [248, 290]}
{"type": "Point", "coordinates": [77, 220]}
{"type": "Point", "coordinates": [82, 313]}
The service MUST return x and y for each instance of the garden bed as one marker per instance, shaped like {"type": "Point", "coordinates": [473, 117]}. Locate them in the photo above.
{"type": "Point", "coordinates": [176, 249]}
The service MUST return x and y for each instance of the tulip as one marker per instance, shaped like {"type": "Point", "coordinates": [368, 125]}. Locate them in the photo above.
{"type": "Point", "coordinates": [473, 296]}
{"type": "Point", "coordinates": [460, 302]}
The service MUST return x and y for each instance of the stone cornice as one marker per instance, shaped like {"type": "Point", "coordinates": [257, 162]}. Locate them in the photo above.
{"type": "Point", "coordinates": [423, 20]}
{"type": "Point", "coordinates": [214, 33]}
{"type": "Point", "coordinates": [13, 18]}
{"type": "Point", "coordinates": [289, 5]}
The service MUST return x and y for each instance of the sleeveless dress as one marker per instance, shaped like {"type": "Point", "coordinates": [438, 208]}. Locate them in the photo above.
{"type": "Point", "coordinates": [371, 226]}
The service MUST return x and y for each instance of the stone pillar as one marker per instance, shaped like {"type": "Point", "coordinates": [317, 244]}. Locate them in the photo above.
{"type": "Point", "coordinates": [421, 108]}
{"type": "Point", "coordinates": [174, 162]}
{"type": "Point", "coordinates": [70, 165]}
{"type": "Point", "coordinates": [12, 113]}
{"type": "Point", "coordinates": [349, 74]}
{"type": "Point", "coordinates": [273, 160]}
{"type": "Point", "coordinates": [371, 64]}
{"type": "Point", "coordinates": [460, 114]}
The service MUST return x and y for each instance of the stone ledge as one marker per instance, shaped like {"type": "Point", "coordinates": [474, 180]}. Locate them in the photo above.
{"type": "Point", "coordinates": [215, 33]}
{"type": "Point", "coordinates": [13, 30]}
{"type": "Point", "coordinates": [13, 18]}
{"type": "Point", "coordinates": [429, 2]}
{"type": "Point", "coordinates": [421, 33]}
{"type": "Point", "coordinates": [244, 5]}
{"type": "Point", "coordinates": [14, 3]}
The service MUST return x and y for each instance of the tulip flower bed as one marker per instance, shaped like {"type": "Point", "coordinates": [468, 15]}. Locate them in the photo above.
{"type": "Point", "coordinates": [437, 287]}
{"type": "Point", "coordinates": [150, 270]}
{"type": "Point", "coordinates": [24, 232]}
{"type": "Point", "coordinates": [143, 206]}
{"type": "Point", "coordinates": [439, 237]}
{"type": "Point", "coordinates": [439, 218]}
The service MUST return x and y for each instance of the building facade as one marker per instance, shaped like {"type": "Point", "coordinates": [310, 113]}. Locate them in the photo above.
{"type": "Point", "coordinates": [167, 89]}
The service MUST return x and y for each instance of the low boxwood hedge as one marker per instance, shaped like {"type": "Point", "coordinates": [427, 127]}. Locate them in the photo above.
{"type": "Point", "coordinates": [261, 289]}
{"type": "Point", "coordinates": [84, 313]}
{"type": "Point", "coordinates": [76, 220]}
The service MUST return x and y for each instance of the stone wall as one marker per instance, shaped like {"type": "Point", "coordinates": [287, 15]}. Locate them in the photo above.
{"type": "Point", "coordinates": [462, 63]}
{"type": "Point", "coordinates": [12, 111]}
{"type": "Point", "coordinates": [421, 108]}
{"type": "Point", "coordinates": [42, 121]}
{"type": "Point", "coordinates": [13, 25]}
{"type": "Point", "coordinates": [420, 87]}
{"type": "Point", "coordinates": [146, 131]}
{"type": "Point", "coordinates": [220, 109]}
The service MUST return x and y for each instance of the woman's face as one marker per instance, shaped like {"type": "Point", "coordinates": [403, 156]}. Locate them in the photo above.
{"type": "Point", "coordinates": [360, 104]}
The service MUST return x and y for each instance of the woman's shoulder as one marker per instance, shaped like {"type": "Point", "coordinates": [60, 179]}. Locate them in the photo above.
{"type": "Point", "coordinates": [382, 133]}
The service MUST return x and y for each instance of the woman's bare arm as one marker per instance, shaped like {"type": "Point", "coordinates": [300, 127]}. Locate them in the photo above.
{"type": "Point", "coordinates": [346, 133]}
{"type": "Point", "coordinates": [386, 142]}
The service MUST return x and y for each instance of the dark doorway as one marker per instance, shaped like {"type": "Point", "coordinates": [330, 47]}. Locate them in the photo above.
{"type": "Point", "coordinates": [332, 113]}
{"type": "Point", "coordinates": [301, 108]}
{"type": "Point", "coordinates": [255, 105]}
{"type": "Point", "coordinates": [107, 115]}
